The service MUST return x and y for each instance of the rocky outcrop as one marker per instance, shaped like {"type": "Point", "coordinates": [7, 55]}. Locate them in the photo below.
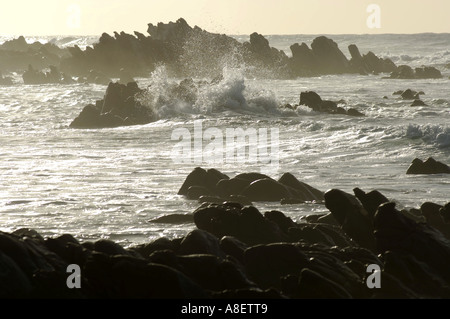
{"type": "Point", "coordinates": [315, 102]}
{"type": "Point", "coordinates": [54, 76]}
{"type": "Point", "coordinates": [16, 55]}
{"type": "Point", "coordinates": [369, 63]}
{"type": "Point", "coordinates": [406, 72]}
{"type": "Point", "coordinates": [430, 166]}
{"type": "Point", "coordinates": [247, 187]}
{"type": "Point", "coordinates": [119, 107]}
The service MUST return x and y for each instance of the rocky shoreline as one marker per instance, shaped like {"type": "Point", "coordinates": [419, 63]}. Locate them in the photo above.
{"type": "Point", "coordinates": [191, 52]}
{"type": "Point", "coordinates": [238, 252]}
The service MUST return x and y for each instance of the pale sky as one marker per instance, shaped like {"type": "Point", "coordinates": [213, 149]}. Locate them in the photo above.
{"type": "Point", "coordinates": [93, 17]}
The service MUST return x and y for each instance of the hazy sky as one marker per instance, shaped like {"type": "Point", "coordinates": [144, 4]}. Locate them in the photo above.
{"type": "Point", "coordinates": [92, 17]}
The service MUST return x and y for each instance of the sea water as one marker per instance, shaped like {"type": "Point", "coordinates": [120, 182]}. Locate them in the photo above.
{"type": "Point", "coordinates": [109, 183]}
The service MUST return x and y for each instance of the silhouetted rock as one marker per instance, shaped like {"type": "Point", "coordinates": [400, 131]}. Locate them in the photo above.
{"type": "Point", "coordinates": [371, 200]}
{"type": "Point", "coordinates": [395, 232]}
{"type": "Point", "coordinates": [352, 217]}
{"type": "Point", "coordinates": [330, 59]}
{"type": "Point", "coordinates": [430, 166]}
{"type": "Point", "coordinates": [406, 72]}
{"type": "Point", "coordinates": [314, 101]}
{"type": "Point", "coordinates": [369, 63]}
{"type": "Point", "coordinates": [434, 218]}
{"type": "Point", "coordinates": [418, 103]}
{"type": "Point", "coordinates": [119, 107]}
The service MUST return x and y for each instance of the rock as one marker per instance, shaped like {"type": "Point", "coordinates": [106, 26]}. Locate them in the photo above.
{"type": "Point", "coordinates": [118, 108]}
{"type": "Point", "coordinates": [244, 223]}
{"type": "Point", "coordinates": [408, 94]}
{"type": "Point", "coordinates": [266, 264]}
{"type": "Point", "coordinates": [395, 232]}
{"type": "Point", "coordinates": [266, 190]}
{"type": "Point", "coordinates": [313, 285]}
{"type": "Point", "coordinates": [418, 103]}
{"type": "Point", "coordinates": [371, 200]}
{"type": "Point", "coordinates": [430, 166]}
{"type": "Point", "coordinates": [302, 191]}
{"type": "Point", "coordinates": [233, 247]}
{"type": "Point", "coordinates": [406, 72]}
{"type": "Point", "coordinates": [445, 213]}
{"type": "Point", "coordinates": [330, 59]}
{"type": "Point", "coordinates": [303, 61]}
{"type": "Point", "coordinates": [173, 219]}
{"type": "Point", "coordinates": [314, 101]}
{"type": "Point", "coordinates": [433, 217]}
{"type": "Point", "coordinates": [200, 242]}
{"type": "Point", "coordinates": [428, 73]}
{"type": "Point", "coordinates": [351, 215]}
{"type": "Point", "coordinates": [203, 178]}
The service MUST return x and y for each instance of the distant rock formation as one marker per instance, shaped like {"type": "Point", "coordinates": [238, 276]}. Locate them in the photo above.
{"type": "Point", "coordinates": [406, 72]}
{"type": "Point", "coordinates": [16, 55]}
{"type": "Point", "coordinates": [32, 76]}
{"type": "Point", "coordinates": [369, 63]}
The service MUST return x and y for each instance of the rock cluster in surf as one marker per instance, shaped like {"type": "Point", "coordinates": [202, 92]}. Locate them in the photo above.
{"type": "Point", "coordinates": [238, 252]}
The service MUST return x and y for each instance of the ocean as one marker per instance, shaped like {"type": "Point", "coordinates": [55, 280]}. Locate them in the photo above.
{"type": "Point", "coordinates": [109, 183]}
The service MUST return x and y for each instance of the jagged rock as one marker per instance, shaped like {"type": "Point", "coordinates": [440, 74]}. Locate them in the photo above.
{"type": "Point", "coordinates": [119, 107]}
{"type": "Point", "coordinates": [371, 200]}
{"type": "Point", "coordinates": [314, 101]}
{"type": "Point", "coordinates": [433, 217]}
{"type": "Point", "coordinates": [351, 215]}
{"type": "Point", "coordinates": [406, 72]}
{"type": "Point", "coordinates": [430, 166]}
{"type": "Point", "coordinates": [394, 231]}
{"type": "Point", "coordinates": [330, 59]}
{"type": "Point", "coordinates": [245, 223]}
{"type": "Point", "coordinates": [418, 103]}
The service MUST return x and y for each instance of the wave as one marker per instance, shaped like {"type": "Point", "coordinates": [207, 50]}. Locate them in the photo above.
{"type": "Point", "coordinates": [430, 134]}
{"type": "Point", "coordinates": [169, 98]}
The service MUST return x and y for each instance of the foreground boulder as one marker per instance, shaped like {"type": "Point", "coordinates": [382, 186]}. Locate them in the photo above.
{"type": "Point", "coordinates": [119, 107]}
{"type": "Point", "coordinates": [430, 166]}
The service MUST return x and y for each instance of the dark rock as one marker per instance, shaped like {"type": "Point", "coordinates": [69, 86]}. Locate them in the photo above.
{"type": "Point", "coordinates": [418, 103]}
{"type": "Point", "coordinates": [351, 215]}
{"type": "Point", "coordinates": [109, 247]}
{"type": "Point", "coordinates": [430, 166]}
{"type": "Point", "coordinates": [204, 178]}
{"type": "Point", "coordinates": [371, 200]}
{"type": "Point", "coordinates": [433, 217]}
{"type": "Point", "coordinates": [266, 190]}
{"type": "Point", "coordinates": [406, 72]}
{"type": "Point", "coordinates": [330, 59]}
{"type": "Point", "coordinates": [313, 285]}
{"type": "Point", "coordinates": [200, 242]}
{"type": "Point", "coordinates": [118, 108]}
{"type": "Point", "coordinates": [303, 191]}
{"type": "Point", "coordinates": [245, 223]}
{"type": "Point", "coordinates": [173, 219]}
{"type": "Point", "coordinates": [408, 94]}
{"type": "Point", "coordinates": [314, 101]}
{"type": "Point", "coordinates": [266, 264]}
{"type": "Point", "coordinates": [233, 247]}
{"type": "Point", "coordinates": [394, 231]}
{"type": "Point", "coordinates": [213, 273]}
{"type": "Point", "coordinates": [445, 213]}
